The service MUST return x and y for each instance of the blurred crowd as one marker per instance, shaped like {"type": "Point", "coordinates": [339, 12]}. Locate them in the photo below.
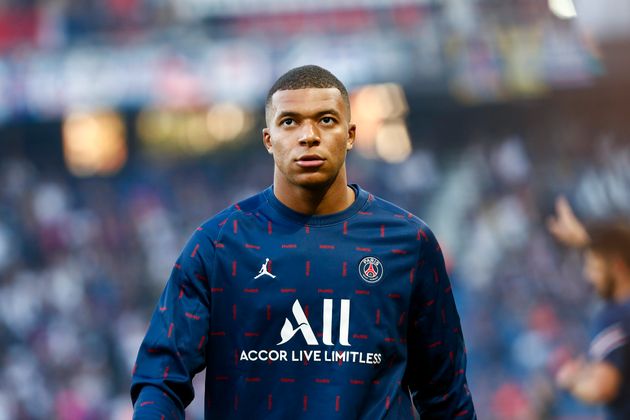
{"type": "Point", "coordinates": [82, 262]}
{"type": "Point", "coordinates": [31, 21]}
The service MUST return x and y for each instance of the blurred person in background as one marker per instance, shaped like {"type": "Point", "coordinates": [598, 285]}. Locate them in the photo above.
{"type": "Point", "coordinates": [604, 376]}
{"type": "Point", "coordinates": [309, 261]}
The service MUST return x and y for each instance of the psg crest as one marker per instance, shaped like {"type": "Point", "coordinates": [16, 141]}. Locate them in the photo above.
{"type": "Point", "coordinates": [371, 269]}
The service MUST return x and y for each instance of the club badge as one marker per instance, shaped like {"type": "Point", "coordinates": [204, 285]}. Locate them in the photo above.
{"type": "Point", "coordinates": [371, 269]}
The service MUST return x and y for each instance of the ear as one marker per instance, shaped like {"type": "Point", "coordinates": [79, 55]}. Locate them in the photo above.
{"type": "Point", "coordinates": [266, 138]}
{"type": "Point", "coordinates": [352, 132]}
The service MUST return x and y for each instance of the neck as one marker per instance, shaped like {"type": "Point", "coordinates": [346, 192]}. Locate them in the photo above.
{"type": "Point", "coordinates": [332, 198]}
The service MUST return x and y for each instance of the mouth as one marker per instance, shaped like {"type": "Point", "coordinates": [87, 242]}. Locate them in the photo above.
{"type": "Point", "coordinates": [310, 161]}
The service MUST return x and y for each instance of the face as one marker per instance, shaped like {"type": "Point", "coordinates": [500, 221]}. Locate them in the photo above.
{"type": "Point", "coordinates": [309, 134]}
{"type": "Point", "coordinates": [598, 273]}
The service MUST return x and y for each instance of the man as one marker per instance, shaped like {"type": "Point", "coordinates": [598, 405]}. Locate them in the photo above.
{"type": "Point", "coordinates": [312, 299]}
{"type": "Point", "coordinates": [604, 377]}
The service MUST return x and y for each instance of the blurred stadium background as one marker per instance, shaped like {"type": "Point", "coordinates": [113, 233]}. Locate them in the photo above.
{"type": "Point", "coordinates": [126, 123]}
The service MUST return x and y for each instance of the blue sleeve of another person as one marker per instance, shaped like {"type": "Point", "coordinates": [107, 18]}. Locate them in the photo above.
{"type": "Point", "coordinates": [610, 339]}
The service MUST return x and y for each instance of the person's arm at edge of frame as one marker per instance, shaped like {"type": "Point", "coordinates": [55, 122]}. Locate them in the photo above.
{"type": "Point", "coordinates": [566, 227]}
{"type": "Point", "coordinates": [595, 382]}
{"type": "Point", "coordinates": [173, 349]}
{"type": "Point", "coordinates": [436, 373]}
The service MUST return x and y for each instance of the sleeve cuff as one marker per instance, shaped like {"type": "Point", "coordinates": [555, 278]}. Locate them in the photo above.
{"type": "Point", "coordinates": [155, 404]}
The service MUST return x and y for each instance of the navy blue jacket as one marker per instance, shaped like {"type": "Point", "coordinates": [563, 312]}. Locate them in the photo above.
{"type": "Point", "coordinates": [611, 344]}
{"type": "Point", "coordinates": [347, 315]}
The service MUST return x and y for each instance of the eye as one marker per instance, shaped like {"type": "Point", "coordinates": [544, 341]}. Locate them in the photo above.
{"type": "Point", "coordinates": [328, 120]}
{"type": "Point", "coordinates": [287, 122]}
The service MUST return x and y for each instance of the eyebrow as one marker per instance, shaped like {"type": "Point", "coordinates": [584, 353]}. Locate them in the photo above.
{"type": "Point", "coordinates": [285, 114]}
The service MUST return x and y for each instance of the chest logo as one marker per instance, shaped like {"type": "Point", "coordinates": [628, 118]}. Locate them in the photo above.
{"type": "Point", "coordinates": [371, 269]}
{"type": "Point", "coordinates": [263, 270]}
{"type": "Point", "coordinates": [303, 326]}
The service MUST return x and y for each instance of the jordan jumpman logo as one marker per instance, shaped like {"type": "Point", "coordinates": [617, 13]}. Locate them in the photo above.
{"type": "Point", "coordinates": [263, 270]}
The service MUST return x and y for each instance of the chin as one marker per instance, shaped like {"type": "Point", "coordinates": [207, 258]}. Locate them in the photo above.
{"type": "Point", "coordinates": [313, 181]}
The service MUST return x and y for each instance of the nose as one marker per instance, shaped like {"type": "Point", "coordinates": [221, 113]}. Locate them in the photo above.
{"type": "Point", "coordinates": [309, 136]}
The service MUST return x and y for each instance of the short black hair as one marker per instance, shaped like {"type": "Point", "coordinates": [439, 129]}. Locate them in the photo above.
{"type": "Point", "coordinates": [304, 77]}
{"type": "Point", "coordinates": [610, 239]}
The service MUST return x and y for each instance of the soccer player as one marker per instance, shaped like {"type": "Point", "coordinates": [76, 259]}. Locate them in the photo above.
{"type": "Point", "coordinates": [312, 299]}
{"type": "Point", "coordinates": [604, 377]}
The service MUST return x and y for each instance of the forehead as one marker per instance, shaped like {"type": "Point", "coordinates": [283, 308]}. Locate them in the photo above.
{"type": "Point", "coordinates": [309, 100]}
